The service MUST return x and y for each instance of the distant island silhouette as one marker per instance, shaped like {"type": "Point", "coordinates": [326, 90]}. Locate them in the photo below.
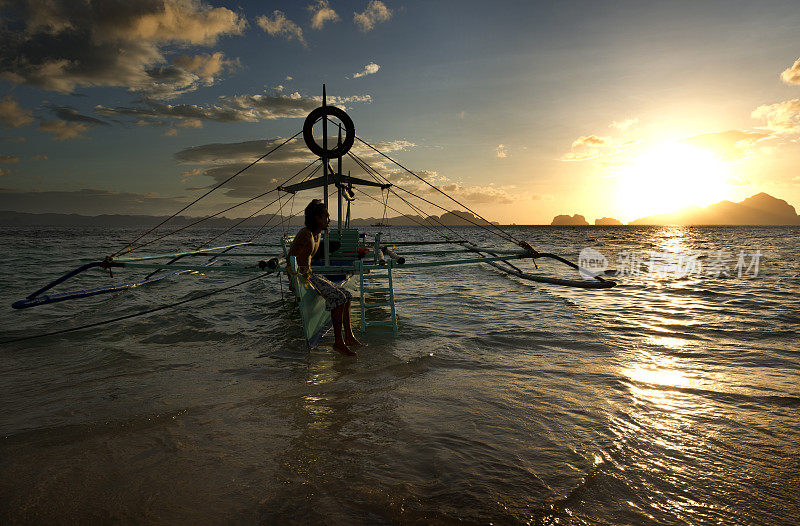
{"type": "Point", "coordinates": [759, 209]}
{"type": "Point", "coordinates": [566, 220]}
{"type": "Point", "coordinates": [606, 221]}
{"type": "Point", "coordinates": [455, 218]}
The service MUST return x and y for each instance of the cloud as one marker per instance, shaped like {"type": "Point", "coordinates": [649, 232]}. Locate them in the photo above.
{"type": "Point", "coordinates": [791, 75]}
{"type": "Point", "coordinates": [87, 201]}
{"type": "Point", "coordinates": [731, 144]}
{"type": "Point", "coordinates": [60, 45]}
{"type": "Point", "coordinates": [191, 123]}
{"type": "Point", "coordinates": [375, 12]}
{"type": "Point", "coordinates": [501, 151]}
{"type": "Point", "coordinates": [221, 160]}
{"type": "Point", "coordinates": [279, 25]}
{"type": "Point", "coordinates": [321, 12]}
{"type": "Point", "coordinates": [207, 66]}
{"type": "Point", "coordinates": [71, 125]}
{"type": "Point", "coordinates": [172, 132]}
{"type": "Point", "coordinates": [237, 108]}
{"type": "Point", "coordinates": [623, 125]}
{"type": "Point", "coordinates": [5, 171]}
{"type": "Point", "coordinates": [12, 115]}
{"type": "Point", "coordinates": [369, 69]}
{"type": "Point", "coordinates": [591, 141]}
{"type": "Point", "coordinates": [580, 156]}
{"type": "Point", "coordinates": [66, 113]}
{"type": "Point", "coordinates": [8, 158]}
{"type": "Point", "coordinates": [782, 117]}
{"type": "Point", "coordinates": [39, 157]}
{"type": "Point", "coordinates": [472, 194]}
{"type": "Point", "coordinates": [294, 151]}
{"type": "Point", "coordinates": [64, 130]}
{"type": "Point", "coordinates": [188, 174]}
{"type": "Point", "coordinates": [246, 151]}
{"type": "Point", "coordinates": [588, 147]}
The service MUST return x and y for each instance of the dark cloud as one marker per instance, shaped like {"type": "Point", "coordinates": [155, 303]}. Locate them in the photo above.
{"type": "Point", "coordinates": [87, 201]}
{"type": "Point", "coordinates": [221, 160]}
{"type": "Point", "coordinates": [58, 45]}
{"type": "Point", "coordinates": [4, 158]}
{"type": "Point", "coordinates": [225, 153]}
{"type": "Point", "coordinates": [296, 150]}
{"type": "Point", "coordinates": [237, 108]}
{"type": "Point", "coordinates": [66, 113]}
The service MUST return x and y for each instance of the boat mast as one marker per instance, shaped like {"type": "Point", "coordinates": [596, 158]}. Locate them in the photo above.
{"type": "Point", "coordinates": [339, 177]}
{"type": "Point", "coordinates": [325, 174]}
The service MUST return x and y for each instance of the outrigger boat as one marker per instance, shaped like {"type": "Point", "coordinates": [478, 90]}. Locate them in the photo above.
{"type": "Point", "coordinates": [348, 256]}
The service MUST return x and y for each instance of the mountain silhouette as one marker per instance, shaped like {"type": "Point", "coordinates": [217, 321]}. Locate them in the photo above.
{"type": "Point", "coordinates": [760, 209]}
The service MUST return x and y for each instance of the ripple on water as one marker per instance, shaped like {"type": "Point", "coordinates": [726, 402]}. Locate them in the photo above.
{"type": "Point", "coordinates": [663, 400]}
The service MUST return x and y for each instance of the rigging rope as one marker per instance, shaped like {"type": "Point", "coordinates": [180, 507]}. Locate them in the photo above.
{"type": "Point", "coordinates": [213, 215]}
{"type": "Point", "coordinates": [385, 204]}
{"type": "Point", "coordinates": [128, 248]}
{"type": "Point", "coordinates": [262, 227]}
{"type": "Point", "coordinates": [422, 214]}
{"type": "Point", "coordinates": [409, 217]}
{"type": "Point", "coordinates": [136, 314]}
{"type": "Point", "coordinates": [502, 232]}
{"type": "Point", "coordinates": [369, 168]}
{"type": "Point", "coordinates": [262, 208]}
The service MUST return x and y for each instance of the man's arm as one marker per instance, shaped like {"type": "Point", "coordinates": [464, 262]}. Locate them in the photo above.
{"type": "Point", "coordinates": [301, 249]}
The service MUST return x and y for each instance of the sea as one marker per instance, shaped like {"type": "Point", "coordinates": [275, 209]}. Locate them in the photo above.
{"type": "Point", "coordinates": [672, 398]}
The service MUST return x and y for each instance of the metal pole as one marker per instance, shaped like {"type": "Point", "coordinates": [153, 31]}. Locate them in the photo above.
{"type": "Point", "coordinates": [339, 187]}
{"type": "Point", "coordinates": [327, 247]}
{"type": "Point", "coordinates": [347, 224]}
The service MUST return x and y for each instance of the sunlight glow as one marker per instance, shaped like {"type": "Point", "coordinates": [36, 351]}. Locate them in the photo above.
{"type": "Point", "coordinates": [669, 178]}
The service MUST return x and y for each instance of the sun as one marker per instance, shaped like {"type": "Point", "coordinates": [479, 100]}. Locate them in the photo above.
{"type": "Point", "coordinates": [669, 178]}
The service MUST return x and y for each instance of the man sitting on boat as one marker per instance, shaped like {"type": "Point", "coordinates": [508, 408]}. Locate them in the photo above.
{"type": "Point", "coordinates": [337, 299]}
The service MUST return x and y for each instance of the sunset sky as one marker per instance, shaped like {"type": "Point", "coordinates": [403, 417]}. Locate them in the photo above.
{"type": "Point", "coordinates": [523, 110]}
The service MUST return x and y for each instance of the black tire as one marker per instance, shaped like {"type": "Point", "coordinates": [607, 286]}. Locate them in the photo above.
{"type": "Point", "coordinates": [324, 112]}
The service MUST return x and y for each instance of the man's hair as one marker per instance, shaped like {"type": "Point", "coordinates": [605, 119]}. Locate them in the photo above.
{"type": "Point", "coordinates": [314, 210]}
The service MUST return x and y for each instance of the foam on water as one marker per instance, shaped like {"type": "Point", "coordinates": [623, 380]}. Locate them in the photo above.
{"type": "Point", "coordinates": [664, 400]}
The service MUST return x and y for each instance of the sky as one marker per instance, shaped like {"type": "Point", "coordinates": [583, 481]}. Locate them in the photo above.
{"type": "Point", "coordinates": [521, 110]}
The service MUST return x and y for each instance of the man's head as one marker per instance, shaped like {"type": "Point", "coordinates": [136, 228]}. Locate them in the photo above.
{"type": "Point", "coordinates": [317, 218]}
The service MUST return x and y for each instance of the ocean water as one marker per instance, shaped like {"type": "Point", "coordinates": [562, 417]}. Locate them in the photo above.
{"type": "Point", "coordinates": [673, 398]}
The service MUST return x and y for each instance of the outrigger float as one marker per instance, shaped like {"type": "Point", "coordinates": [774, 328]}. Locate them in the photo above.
{"type": "Point", "coordinates": [348, 256]}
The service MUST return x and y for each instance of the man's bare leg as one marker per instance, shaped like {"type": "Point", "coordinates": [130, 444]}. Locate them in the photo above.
{"type": "Point", "coordinates": [349, 338]}
{"type": "Point", "coordinates": [337, 315]}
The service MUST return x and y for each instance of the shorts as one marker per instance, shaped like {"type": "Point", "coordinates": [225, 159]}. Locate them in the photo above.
{"type": "Point", "coordinates": [335, 295]}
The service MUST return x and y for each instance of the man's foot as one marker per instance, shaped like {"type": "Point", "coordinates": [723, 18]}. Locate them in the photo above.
{"type": "Point", "coordinates": [351, 341]}
{"type": "Point", "coordinates": [343, 349]}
